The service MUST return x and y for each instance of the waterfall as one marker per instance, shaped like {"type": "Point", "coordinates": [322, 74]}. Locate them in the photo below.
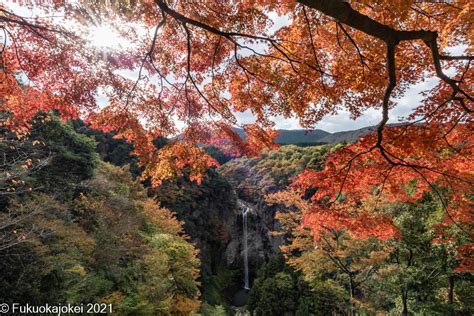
{"type": "Point", "coordinates": [245, 211]}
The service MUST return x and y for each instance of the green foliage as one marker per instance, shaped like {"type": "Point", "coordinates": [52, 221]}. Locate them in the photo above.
{"type": "Point", "coordinates": [272, 170]}
{"type": "Point", "coordinates": [420, 272]}
{"type": "Point", "coordinates": [52, 158]}
{"type": "Point", "coordinates": [91, 234]}
{"type": "Point", "coordinates": [73, 157]}
{"type": "Point", "coordinates": [110, 149]}
{"type": "Point", "coordinates": [279, 289]}
{"type": "Point", "coordinates": [116, 151]}
{"type": "Point", "coordinates": [217, 154]}
{"type": "Point", "coordinates": [210, 310]}
{"type": "Point", "coordinates": [215, 285]}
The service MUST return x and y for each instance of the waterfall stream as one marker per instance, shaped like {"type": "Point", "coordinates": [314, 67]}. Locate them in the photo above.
{"type": "Point", "coordinates": [245, 211]}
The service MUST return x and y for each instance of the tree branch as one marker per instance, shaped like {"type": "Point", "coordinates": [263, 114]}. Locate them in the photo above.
{"type": "Point", "coordinates": [343, 13]}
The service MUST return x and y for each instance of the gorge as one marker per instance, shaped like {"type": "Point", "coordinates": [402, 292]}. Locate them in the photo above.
{"type": "Point", "coordinates": [237, 263]}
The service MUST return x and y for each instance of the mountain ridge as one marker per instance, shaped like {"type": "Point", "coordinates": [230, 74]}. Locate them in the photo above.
{"type": "Point", "coordinates": [316, 136]}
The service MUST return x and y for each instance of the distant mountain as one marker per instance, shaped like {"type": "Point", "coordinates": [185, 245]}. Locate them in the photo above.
{"type": "Point", "coordinates": [316, 136]}
{"type": "Point", "coordinates": [348, 136]}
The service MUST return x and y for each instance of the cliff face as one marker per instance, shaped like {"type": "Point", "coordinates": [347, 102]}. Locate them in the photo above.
{"type": "Point", "coordinates": [212, 217]}
{"type": "Point", "coordinates": [260, 243]}
{"type": "Point", "coordinates": [208, 211]}
{"type": "Point", "coordinates": [253, 179]}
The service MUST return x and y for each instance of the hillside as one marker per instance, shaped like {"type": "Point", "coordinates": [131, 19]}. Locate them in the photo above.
{"type": "Point", "coordinates": [347, 136]}
{"type": "Point", "coordinates": [86, 231]}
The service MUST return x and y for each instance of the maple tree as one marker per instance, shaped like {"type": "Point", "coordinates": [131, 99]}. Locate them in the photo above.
{"type": "Point", "coordinates": [200, 62]}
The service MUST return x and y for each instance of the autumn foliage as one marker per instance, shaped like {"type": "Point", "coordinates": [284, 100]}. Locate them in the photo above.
{"type": "Point", "coordinates": [200, 62]}
{"type": "Point", "coordinates": [403, 172]}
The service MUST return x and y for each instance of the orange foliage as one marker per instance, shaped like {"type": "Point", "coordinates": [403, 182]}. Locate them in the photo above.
{"type": "Point", "coordinates": [359, 179]}
{"type": "Point", "coordinates": [203, 61]}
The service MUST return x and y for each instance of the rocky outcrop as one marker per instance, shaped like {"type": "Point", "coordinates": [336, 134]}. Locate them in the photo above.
{"type": "Point", "coordinates": [212, 216]}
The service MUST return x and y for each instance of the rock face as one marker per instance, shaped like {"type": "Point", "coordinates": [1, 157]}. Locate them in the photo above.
{"type": "Point", "coordinates": [252, 179]}
{"type": "Point", "coordinates": [212, 216]}
{"type": "Point", "coordinates": [261, 244]}
{"type": "Point", "coordinates": [209, 212]}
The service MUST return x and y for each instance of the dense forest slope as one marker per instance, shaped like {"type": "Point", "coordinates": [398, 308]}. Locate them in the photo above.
{"type": "Point", "coordinates": [87, 232]}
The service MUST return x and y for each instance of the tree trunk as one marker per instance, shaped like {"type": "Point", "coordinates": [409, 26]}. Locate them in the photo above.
{"type": "Point", "coordinates": [404, 303]}
{"type": "Point", "coordinates": [451, 290]}
{"type": "Point", "coordinates": [351, 294]}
